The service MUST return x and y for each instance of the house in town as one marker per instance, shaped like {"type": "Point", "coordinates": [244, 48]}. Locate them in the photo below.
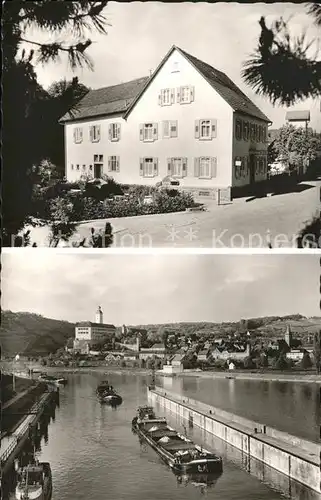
{"type": "Point", "coordinates": [299, 118]}
{"type": "Point", "coordinates": [89, 333]}
{"type": "Point", "coordinates": [187, 120]}
{"type": "Point", "coordinates": [233, 352]}
{"type": "Point", "coordinates": [203, 355]}
{"type": "Point", "coordinates": [175, 365]}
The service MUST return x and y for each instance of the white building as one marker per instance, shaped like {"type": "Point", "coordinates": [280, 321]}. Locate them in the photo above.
{"type": "Point", "coordinates": [187, 120]}
{"type": "Point", "coordinates": [89, 333]}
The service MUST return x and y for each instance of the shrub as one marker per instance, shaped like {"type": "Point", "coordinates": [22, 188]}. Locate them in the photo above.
{"type": "Point", "coordinates": [305, 362]}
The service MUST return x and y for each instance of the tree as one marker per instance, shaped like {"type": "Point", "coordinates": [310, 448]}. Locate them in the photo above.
{"type": "Point", "coordinates": [278, 57]}
{"type": "Point", "coordinates": [306, 362]}
{"type": "Point", "coordinates": [21, 116]}
{"type": "Point", "coordinates": [296, 146]}
{"type": "Point", "coordinates": [281, 362]}
{"type": "Point", "coordinates": [317, 351]}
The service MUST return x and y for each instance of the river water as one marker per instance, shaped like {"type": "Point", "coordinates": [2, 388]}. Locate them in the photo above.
{"type": "Point", "coordinates": [94, 454]}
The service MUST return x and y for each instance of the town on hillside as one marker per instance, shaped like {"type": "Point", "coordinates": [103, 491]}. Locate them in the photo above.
{"type": "Point", "coordinates": [96, 343]}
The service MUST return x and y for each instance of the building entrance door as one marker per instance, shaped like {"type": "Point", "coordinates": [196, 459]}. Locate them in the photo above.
{"type": "Point", "coordinates": [98, 170]}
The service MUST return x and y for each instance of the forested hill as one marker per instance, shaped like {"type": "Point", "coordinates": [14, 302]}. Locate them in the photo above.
{"type": "Point", "coordinates": [32, 334]}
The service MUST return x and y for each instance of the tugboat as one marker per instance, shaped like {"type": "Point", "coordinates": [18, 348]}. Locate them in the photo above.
{"type": "Point", "coordinates": [177, 451]}
{"type": "Point", "coordinates": [107, 395]}
{"type": "Point", "coordinates": [34, 482]}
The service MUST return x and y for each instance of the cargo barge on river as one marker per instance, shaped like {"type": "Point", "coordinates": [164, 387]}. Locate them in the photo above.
{"type": "Point", "coordinates": [177, 451]}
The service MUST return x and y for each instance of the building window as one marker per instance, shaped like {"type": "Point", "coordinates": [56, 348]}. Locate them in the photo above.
{"type": "Point", "coordinates": [257, 138]}
{"type": "Point", "coordinates": [114, 131]}
{"type": "Point", "coordinates": [264, 133]}
{"type": "Point", "coordinates": [238, 129]}
{"type": "Point", "coordinates": [148, 132]}
{"type": "Point", "coordinates": [98, 158]}
{"type": "Point", "coordinates": [78, 135]}
{"type": "Point", "coordinates": [77, 167]}
{"type": "Point", "coordinates": [239, 167]}
{"type": "Point", "coordinates": [253, 132]}
{"type": "Point", "coordinates": [72, 166]}
{"type": "Point", "coordinates": [90, 167]}
{"type": "Point", "coordinates": [177, 167]}
{"type": "Point", "coordinates": [113, 164]}
{"type": "Point", "coordinates": [94, 133]}
{"type": "Point", "coordinates": [175, 67]}
{"type": "Point", "coordinates": [84, 167]}
{"type": "Point", "coordinates": [246, 131]}
{"type": "Point", "coordinates": [205, 167]}
{"type": "Point", "coordinates": [170, 129]}
{"type": "Point", "coordinates": [185, 94]}
{"type": "Point", "coordinates": [148, 167]}
{"type": "Point", "coordinates": [205, 129]}
{"type": "Point", "coordinates": [166, 97]}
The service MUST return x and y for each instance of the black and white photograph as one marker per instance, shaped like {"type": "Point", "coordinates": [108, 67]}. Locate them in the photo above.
{"type": "Point", "coordinates": [160, 376]}
{"type": "Point", "coordinates": [153, 124]}
{"type": "Point", "coordinates": [160, 332]}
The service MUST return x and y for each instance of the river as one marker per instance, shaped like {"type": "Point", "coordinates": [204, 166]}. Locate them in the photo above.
{"type": "Point", "coordinates": [94, 454]}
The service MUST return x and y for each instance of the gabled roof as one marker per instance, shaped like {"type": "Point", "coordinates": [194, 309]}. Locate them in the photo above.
{"type": "Point", "coordinates": [106, 101]}
{"type": "Point", "coordinates": [218, 80]}
{"type": "Point", "coordinates": [121, 99]}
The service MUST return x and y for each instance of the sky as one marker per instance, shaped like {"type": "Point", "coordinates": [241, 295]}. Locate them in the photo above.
{"type": "Point", "coordinates": [138, 289]}
{"type": "Point", "coordinates": [222, 34]}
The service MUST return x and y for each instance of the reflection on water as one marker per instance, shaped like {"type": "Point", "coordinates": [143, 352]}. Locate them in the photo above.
{"type": "Point", "coordinates": [289, 406]}
{"type": "Point", "coordinates": [94, 454]}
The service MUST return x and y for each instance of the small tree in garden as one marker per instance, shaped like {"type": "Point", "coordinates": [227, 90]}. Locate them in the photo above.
{"type": "Point", "coordinates": [296, 146]}
{"type": "Point", "coordinates": [317, 351]}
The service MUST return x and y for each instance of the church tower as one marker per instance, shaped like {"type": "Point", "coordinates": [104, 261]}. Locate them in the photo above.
{"type": "Point", "coordinates": [288, 336]}
{"type": "Point", "coordinates": [99, 315]}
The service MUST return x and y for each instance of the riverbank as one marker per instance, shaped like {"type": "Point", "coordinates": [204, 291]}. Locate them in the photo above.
{"type": "Point", "coordinates": [299, 377]}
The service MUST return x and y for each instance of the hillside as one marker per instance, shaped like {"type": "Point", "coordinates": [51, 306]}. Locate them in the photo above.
{"type": "Point", "coordinates": [35, 335]}
{"type": "Point", "coordinates": [32, 334]}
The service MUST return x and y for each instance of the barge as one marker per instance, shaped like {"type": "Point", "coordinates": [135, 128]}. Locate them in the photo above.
{"type": "Point", "coordinates": [107, 395]}
{"type": "Point", "coordinates": [34, 482]}
{"type": "Point", "coordinates": [177, 451]}
{"type": "Point", "coordinates": [49, 379]}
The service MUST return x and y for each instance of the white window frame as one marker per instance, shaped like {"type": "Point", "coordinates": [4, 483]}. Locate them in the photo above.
{"type": "Point", "coordinates": [114, 131]}
{"type": "Point", "coordinates": [209, 136]}
{"type": "Point", "coordinates": [203, 175]}
{"type": "Point", "coordinates": [146, 165]}
{"type": "Point", "coordinates": [168, 129]}
{"type": "Point", "coordinates": [166, 96]}
{"type": "Point", "coordinates": [95, 131]}
{"type": "Point", "coordinates": [148, 127]}
{"type": "Point", "coordinates": [78, 135]}
{"type": "Point", "coordinates": [114, 163]}
{"type": "Point", "coordinates": [185, 94]}
{"type": "Point", "coordinates": [177, 164]}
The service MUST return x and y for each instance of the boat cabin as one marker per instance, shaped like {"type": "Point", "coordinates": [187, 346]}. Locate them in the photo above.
{"type": "Point", "coordinates": [33, 475]}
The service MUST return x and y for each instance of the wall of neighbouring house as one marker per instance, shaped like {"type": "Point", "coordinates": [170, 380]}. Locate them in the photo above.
{"type": "Point", "coordinates": [241, 149]}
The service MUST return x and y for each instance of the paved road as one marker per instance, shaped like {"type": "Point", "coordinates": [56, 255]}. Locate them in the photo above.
{"type": "Point", "coordinates": [241, 224]}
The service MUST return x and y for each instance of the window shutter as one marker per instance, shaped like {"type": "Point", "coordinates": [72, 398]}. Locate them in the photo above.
{"type": "Point", "coordinates": [192, 94]}
{"type": "Point", "coordinates": [160, 99]}
{"type": "Point", "coordinates": [196, 167]}
{"type": "Point", "coordinates": [109, 163]}
{"type": "Point", "coordinates": [109, 132]}
{"type": "Point", "coordinates": [173, 129]}
{"type": "Point", "coordinates": [80, 134]}
{"type": "Point", "coordinates": [91, 134]}
{"type": "Point", "coordinates": [141, 167]}
{"type": "Point", "coordinates": [98, 133]}
{"type": "Point", "coordinates": [197, 129]}
{"type": "Point", "coordinates": [213, 166]}
{"type": "Point", "coordinates": [169, 166]}
{"type": "Point", "coordinates": [155, 131]}
{"type": "Point", "coordinates": [117, 163]}
{"type": "Point", "coordinates": [172, 96]}
{"type": "Point", "coordinates": [178, 95]}
{"type": "Point", "coordinates": [166, 129]}
{"type": "Point", "coordinates": [184, 167]}
{"type": "Point", "coordinates": [155, 167]}
{"type": "Point", "coordinates": [214, 127]}
{"type": "Point", "coordinates": [118, 131]}
{"type": "Point", "coordinates": [141, 132]}
{"type": "Point", "coordinates": [75, 137]}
